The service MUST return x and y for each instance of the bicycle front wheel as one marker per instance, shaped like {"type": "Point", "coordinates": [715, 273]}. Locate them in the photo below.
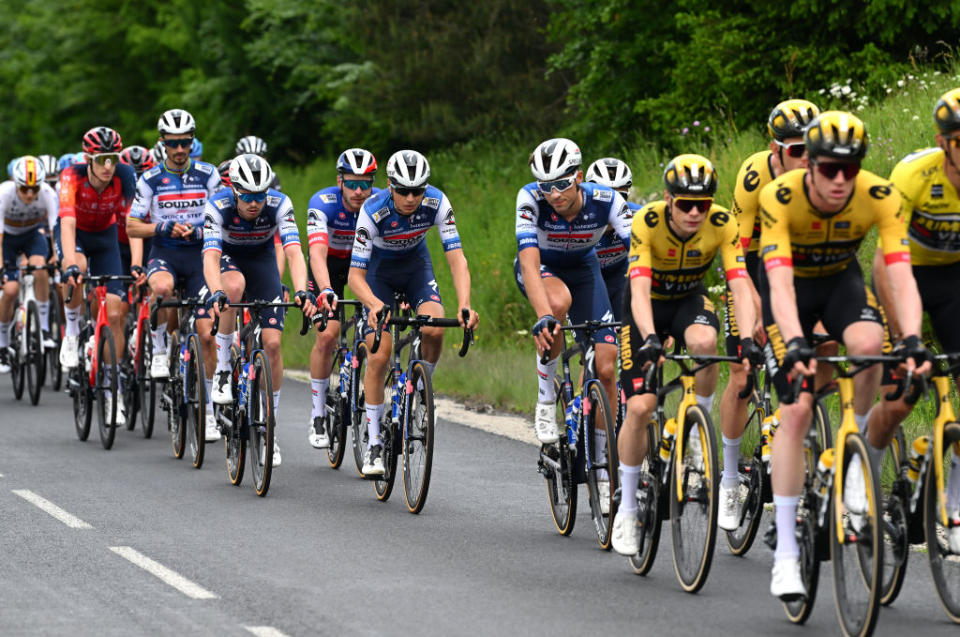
{"type": "Point", "coordinates": [556, 464]}
{"type": "Point", "coordinates": [236, 434]}
{"type": "Point", "coordinates": [693, 512]}
{"type": "Point", "coordinates": [359, 419]}
{"type": "Point", "coordinates": [146, 386]}
{"type": "Point", "coordinates": [893, 503]}
{"type": "Point", "coordinates": [944, 563]}
{"type": "Point", "coordinates": [106, 387]}
{"type": "Point", "coordinates": [856, 549]}
{"type": "Point", "coordinates": [418, 444]}
{"type": "Point", "coordinates": [35, 363]}
{"type": "Point", "coordinates": [173, 392]}
{"type": "Point", "coordinates": [261, 422]}
{"type": "Point", "coordinates": [599, 425]}
{"type": "Point", "coordinates": [390, 437]}
{"type": "Point", "coordinates": [18, 372]}
{"type": "Point", "coordinates": [82, 402]}
{"type": "Point", "coordinates": [337, 427]}
{"type": "Point", "coordinates": [195, 401]}
{"type": "Point", "coordinates": [650, 500]}
{"type": "Point", "coordinates": [54, 371]}
{"type": "Point", "coordinates": [754, 486]}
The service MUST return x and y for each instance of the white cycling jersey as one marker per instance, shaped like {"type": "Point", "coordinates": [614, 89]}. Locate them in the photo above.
{"type": "Point", "coordinates": [17, 217]}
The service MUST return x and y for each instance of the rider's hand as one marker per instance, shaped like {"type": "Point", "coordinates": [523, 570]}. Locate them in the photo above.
{"type": "Point", "coordinates": [285, 291]}
{"type": "Point", "coordinates": [307, 302]}
{"type": "Point", "coordinates": [917, 355]}
{"type": "Point", "coordinates": [72, 275]}
{"type": "Point", "coordinates": [217, 302]}
{"type": "Point", "coordinates": [329, 300]}
{"type": "Point", "coordinates": [651, 351]}
{"type": "Point", "coordinates": [751, 353]}
{"type": "Point", "coordinates": [138, 272]}
{"type": "Point", "coordinates": [474, 318]}
{"type": "Point", "coordinates": [373, 318]}
{"type": "Point", "coordinates": [544, 330]}
{"type": "Point", "coordinates": [798, 357]}
{"type": "Point", "coordinates": [165, 228]}
{"type": "Point", "coordinates": [194, 234]}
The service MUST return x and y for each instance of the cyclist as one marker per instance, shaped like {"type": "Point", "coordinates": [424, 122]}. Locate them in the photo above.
{"type": "Point", "coordinates": [929, 183]}
{"type": "Point", "coordinates": [813, 222]}
{"type": "Point", "coordinates": [92, 197]}
{"type": "Point", "coordinates": [224, 169]}
{"type": "Point", "coordinates": [390, 255]}
{"type": "Point", "coordinates": [255, 145]}
{"type": "Point", "coordinates": [52, 169]}
{"type": "Point", "coordinates": [785, 125]}
{"type": "Point", "coordinates": [158, 153]}
{"type": "Point", "coordinates": [169, 209]}
{"type": "Point", "coordinates": [673, 242]}
{"type": "Point", "coordinates": [28, 207]}
{"type": "Point", "coordinates": [196, 150]}
{"type": "Point", "coordinates": [331, 224]}
{"type": "Point", "coordinates": [238, 259]}
{"type": "Point", "coordinates": [138, 158]}
{"type": "Point", "coordinates": [611, 252]}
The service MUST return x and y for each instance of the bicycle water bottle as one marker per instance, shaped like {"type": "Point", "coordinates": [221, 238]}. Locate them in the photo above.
{"type": "Point", "coordinates": [88, 354]}
{"type": "Point", "coordinates": [824, 466]}
{"type": "Point", "coordinates": [917, 452]}
{"type": "Point", "coordinates": [666, 438]}
{"type": "Point", "coordinates": [769, 427]}
{"type": "Point", "coordinates": [571, 416]}
{"type": "Point", "coordinates": [345, 374]}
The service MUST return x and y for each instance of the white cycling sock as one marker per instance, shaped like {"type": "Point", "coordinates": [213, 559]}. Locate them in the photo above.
{"type": "Point", "coordinates": [160, 343]}
{"type": "Point", "coordinates": [785, 507]}
{"type": "Point", "coordinates": [629, 479]}
{"type": "Point", "coordinates": [208, 382]}
{"type": "Point", "coordinates": [5, 333]}
{"type": "Point", "coordinates": [43, 309]}
{"type": "Point", "coordinates": [318, 386]}
{"type": "Point", "coordinates": [547, 392]}
{"type": "Point", "coordinates": [373, 423]}
{"type": "Point", "coordinates": [430, 367]}
{"type": "Point", "coordinates": [224, 341]}
{"type": "Point", "coordinates": [862, 421]}
{"type": "Point", "coordinates": [731, 462]}
{"type": "Point", "coordinates": [706, 402]}
{"type": "Point", "coordinates": [953, 486]}
{"type": "Point", "coordinates": [72, 315]}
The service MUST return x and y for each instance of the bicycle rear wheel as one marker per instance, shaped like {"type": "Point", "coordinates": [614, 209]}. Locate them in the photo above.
{"type": "Point", "coordinates": [556, 464]}
{"type": "Point", "coordinates": [339, 412]}
{"type": "Point", "coordinates": [235, 436]}
{"type": "Point", "coordinates": [390, 437]}
{"type": "Point", "coordinates": [106, 387]}
{"type": "Point", "coordinates": [944, 563]}
{"type": "Point", "coordinates": [694, 516]}
{"type": "Point", "coordinates": [650, 479]}
{"type": "Point", "coordinates": [418, 444]}
{"type": "Point", "coordinates": [195, 401]}
{"type": "Point", "coordinates": [82, 401]}
{"type": "Point", "coordinates": [146, 387]}
{"type": "Point", "coordinates": [857, 559]}
{"type": "Point", "coordinates": [173, 391]}
{"type": "Point", "coordinates": [261, 422]}
{"type": "Point", "coordinates": [894, 492]}
{"type": "Point", "coordinates": [597, 416]}
{"type": "Point", "coordinates": [35, 363]}
{"type": "Point", "coordinates": [359, 416]}
{"type": "Point", "coordinates": [54, 371]}
{"type": "Point", "coordinates": [18, 372]}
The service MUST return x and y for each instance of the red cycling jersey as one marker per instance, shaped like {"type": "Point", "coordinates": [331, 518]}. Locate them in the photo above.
{"type": "Point", "coordinates": [96, 211]}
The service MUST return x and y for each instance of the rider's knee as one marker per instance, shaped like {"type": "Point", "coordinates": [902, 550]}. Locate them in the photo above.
{"type": "Point", "coordinates": [701, 341]}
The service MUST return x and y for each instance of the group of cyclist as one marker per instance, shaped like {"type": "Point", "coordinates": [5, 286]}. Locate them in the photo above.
{"type": "Point", "coordinates": [788, 246]}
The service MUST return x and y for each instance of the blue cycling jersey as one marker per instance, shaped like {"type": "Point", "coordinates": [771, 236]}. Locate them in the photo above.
{"type": "Point", "coordinates": [611, 251]}
{"type": "Point", "coordinates": [223, 226]}
{"type": "Point", "coordinates": [330, 224]}
{"type": "Point", "coordinates": [163, 195]}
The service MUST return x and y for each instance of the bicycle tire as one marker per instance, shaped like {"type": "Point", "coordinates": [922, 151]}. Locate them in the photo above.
{"type": "Point", "coordinates": [17, 362]}
{"type": "Point", "coordinates": [896, 541]}
{"type": "Point", "coordinates": [196, 401]}
{"type": "Point", "coordinates": [562, 486]}
{"type": "Point", "coordinates": [694, 519]}
{"type": "Point", "coordinates": [597, 407]}
{"type": "Point", "coordinates": [944, 565]}
{"type": "Point", "coordinates": [650, 476]}
{"type": "Point", "coordinates": [54, 371]}
{"type": "Point", "coordinates": [262, 424]}
{"type": "Point", "coordinates": [798, 611]}
{"type": "Point", "coordinates": [821, 424]}
{"type": "Point", "coordinates": [82, 402]}
{"type": "Point", "coordinates": [359, 420]}
{"type": "Point", "coordinates": [390, 437]}
{"type": "Point", "coordinates": [417, 446]}
{"type": "Point", "coordinates": [107, 377]}
{"type": "Point", "coordinates": [753, 477]}
{"type": "Point", "coordinates": [235, 437]}
{"type": "Point", "coordinates": [35, 362]}
{"type": "Point", "coordinates": [146, 386]}
{"type": "Point", "coordinates": [173, 389]}
{"type": "Point", "coordinates": [861, 561]}
{"type": "Point", "coordinates": [337, 429]}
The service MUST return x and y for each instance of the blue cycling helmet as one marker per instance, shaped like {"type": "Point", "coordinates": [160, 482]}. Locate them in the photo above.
{"type": "Point", "coordinates": [10, 167]}
{"type": "Point", "coordinates": [196, 149]}
{"type": "Point", "coordinates": [65, 160]}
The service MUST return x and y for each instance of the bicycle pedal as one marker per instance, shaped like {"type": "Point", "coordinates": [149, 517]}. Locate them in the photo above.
{"type": "Point", "coordinates": [770, 537]}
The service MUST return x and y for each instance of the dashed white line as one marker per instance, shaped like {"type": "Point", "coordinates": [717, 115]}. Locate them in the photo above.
{"type": "Point", "coordinates": [49, 507]}
{"type": "Point", "coordinates": [264, 631]}
{"type": "Point", "coordinates": [164, 574]}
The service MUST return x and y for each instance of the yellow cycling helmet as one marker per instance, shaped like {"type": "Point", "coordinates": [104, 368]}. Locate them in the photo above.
{"type": "Point", "coordinates": [690, 176]}
{"type": "Point", "coordinates": [28, 171]}
{"type": "Point", "coordinates": [836, 134]}
{"type": "Point", "coordinates": [946, 114]}
{"type": "Point", "coordinates": [790, 117]}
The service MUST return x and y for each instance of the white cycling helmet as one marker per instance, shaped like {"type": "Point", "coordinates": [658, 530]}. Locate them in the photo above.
{"type": "Point", "coordinates": [176, 121]}
{"type": "Point", "coordinates": [251, 144]}
{"type": "Point", "coordinates": [29, 171]}
{"type": "Point", "coordinates": [356, 161]}
{"type": "Point", "coordinates": [50, 165]}
{"type": "Point", "coordinates": [158, 152]}
{"type": "Point", "coordinates": [408, 169]}
{"type": "Point", "coordinates": [611, 172]}
{"type": "Point", "coordinates": [554, 158]}
{"type": "Point", "coordinates": [250, 172]}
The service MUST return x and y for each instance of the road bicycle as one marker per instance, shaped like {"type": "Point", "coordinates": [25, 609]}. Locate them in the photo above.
{"type": "Point", "coordinates": [28, 358]}
{"type": "Point", "coordinates": [138, 398]}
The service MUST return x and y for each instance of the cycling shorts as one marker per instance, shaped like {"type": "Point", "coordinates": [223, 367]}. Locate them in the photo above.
{"type": "Point", "coordinates": [29, 244]}
{"type": "Point", "coordinates": [103, 254]}
{"type": "Point", "coordinates": [587, 291]}
{"type": "Point", "coordinates": [938, 292]}
{"type": "Point", "coordinates": [185, 265]}
{"type": "Point", "coordinates": [615, 278]}
{"type": "Point", "coordinates": [338, 269]}
{"type": "Point", "coordinates": [262, 279]}
{"type": "Point", "coordinates": [412, 276]}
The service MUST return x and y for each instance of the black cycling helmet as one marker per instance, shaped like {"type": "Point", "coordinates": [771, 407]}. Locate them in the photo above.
{"type": "Point", "coordinates": [790, 118]}
{"type": "Point", "coordinates": [836, 134]}
{"type": "Point", "coordinates": [946, 114]}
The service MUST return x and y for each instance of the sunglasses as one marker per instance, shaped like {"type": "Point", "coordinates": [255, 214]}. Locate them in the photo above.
{"type": "Point", "coordinates": [103, 158]}
{"type": "Point", "coordinates": [30, 189]}
{"type": "Point", "coordinates": [795, 150]}
{"type": "Point", "coordinates": [687, 205]}
{"type": "Point", "coordinates": [953, 142]}
{"type": "Point", "coordinates": [181, 143]}
{"type": "Point", "coordinates": [406, 192]}
{"type": "Point", "coordinates": [251, 197]}
{"type": "Point", "coordinates": [546, 187]}
{"type": "Point", "coordinates": [830, 171]}
{"type": "Point", "coordinates": [354, 184]}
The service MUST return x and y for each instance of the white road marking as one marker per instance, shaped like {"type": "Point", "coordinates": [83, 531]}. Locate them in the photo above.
{"type": "Point", "coordinates": [264, 631]}
{"type": "Point", "coordinates": [49, 507]}
{"type": "Point", "coordinates": [163, 573]}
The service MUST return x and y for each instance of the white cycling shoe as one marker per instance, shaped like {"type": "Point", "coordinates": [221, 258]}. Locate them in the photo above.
{"type": "Point", "coordinates": [373, 461]}
{"type": "Point", "coordinates": [728, 517]}
{"type": "Point", "coordinates": [626, 536]}
{"type": "Point", "coordinates": [855, 493]}
{"type": "Point", "coordinates": [221, 393]}
{"type": "Point", "coordinates": [276, 452]}
{"type": "Point", "coordinates": [545, 423]}
{"type": "Point", "coordinates": [69, 358]}
{"type": "Point", "coordinates": [211, 433]}
{"type": "Point", "coordinates": [160, 365]}
{"type": "Point", "coordinates": [786, 581]}
{"type": "Point", "coordinates": [317, 434]}
{"type": "Point", "coordinates": [603, 491]}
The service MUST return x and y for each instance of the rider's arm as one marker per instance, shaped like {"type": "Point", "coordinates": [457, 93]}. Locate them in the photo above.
{"type": "Point", "coordinates": [138, 221]}
{"type": "Point", "coordinates": [741, 287]}
{"type": "Point", "coordinates": [896, 256]}
{"type": "Point", "coordinates": [68, 216]}
{"type": "Point", "coordinates": [212, 247]}
{"type": "Point", "coordinates": [289, 237]}
{"type": "Point", "coordinates": [360, 260]}
{"type": "Point", "coordinates": [640, 274]}
{"type": "Point", "coordinates": [903, 288]}
{"type": "Point", "coordinates": [281, 259]}
{"type": "Point", "coordinates": [318, 241]}
{"type": "Point", "coordinates": [640, 304]}
{"type": "Point", "coordinates": [777, 251]}
{"type": "Point", "coordinates": [882, 286]}
{"type": "Point", "coordinates": [453, 248]}
{"type": "Point", "coordinates": [528, 253]}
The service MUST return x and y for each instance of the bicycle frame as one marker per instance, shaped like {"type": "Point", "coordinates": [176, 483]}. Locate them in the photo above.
{"type": "Point", "coordinates": [101, 294]}
{"type": "Point", "coordinates": [945, 415]}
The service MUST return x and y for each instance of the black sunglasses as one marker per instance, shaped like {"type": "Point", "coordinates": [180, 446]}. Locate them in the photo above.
{"type": "Point", "coordinates": [403, 191]}
{"type": "Point", "coordinates": [830, 171]}
{"type": "Point", "coordinates": [686, 205]}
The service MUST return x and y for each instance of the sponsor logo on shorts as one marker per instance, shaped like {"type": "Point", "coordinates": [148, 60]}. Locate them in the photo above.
{"type": "Point", "coordinates": [637, 384]}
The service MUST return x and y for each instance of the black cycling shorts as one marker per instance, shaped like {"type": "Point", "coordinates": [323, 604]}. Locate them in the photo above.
{"type": "Point", "coordinates": [938, 292]}
{"type": "Point", "coordinates": [338, 269]}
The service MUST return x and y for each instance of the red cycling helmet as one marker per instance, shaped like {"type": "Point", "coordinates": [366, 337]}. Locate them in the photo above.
{"type": "Point", "coordinates": [138, 158]}
{"type": "Point", "coordinates": [101, 139]}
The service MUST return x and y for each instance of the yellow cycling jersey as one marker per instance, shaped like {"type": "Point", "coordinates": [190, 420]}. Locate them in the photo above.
{"type": "Point", "coordinates": [930, 208]}
{"type": "Point", "coordinates": [818, 244]}
{"type": "Point", "coordinates": [677, 266]}
{"type": "Point", "coordinates": [755, 173]}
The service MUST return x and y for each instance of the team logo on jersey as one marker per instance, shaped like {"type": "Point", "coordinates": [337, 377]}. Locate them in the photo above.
{"type": "Point", "coordinates": [393, 224]}
{"type": "Point", "coordinates": [221, 203]}
{"type": "Point", "coordinates": [380, 214]}
{"type": "Point", "coordinates": [236, 220]}
{"type": "Point", "coordinates": [343, 216]}
{"type": "Point", "coordinates": [609, 338]}
{"type": "Point", "coordinates": [842, 225]}
{"type": "Point", "coordinates": [526, 212]}
{"type": "Point", "coordinates": [165, 180]}
{"type": "Point", "coordinates": [449, 220]}
{"type": "Point", "coordinates": [431, 202]}
{"type": "Point", "coordinates": [362, 236]}
{"type": "Point", "coordinates": [815, 225]}
{"type": "Point", "coordinates": [328, 198]}
{"type": "Point", "coordinates": [671, 252]}
{"type": "Point", "coordinates": [603, 195]}
{"type": "Point", "coordinates": [435, 297]}
{"type": "Point", "coordinates": [693, 253]}
{"type": "Point", "coordinates": [273, 320]}
{"type": "Point", "coordinates": [936, 191]}
{"type": "Point", "coordinates": [553, 217]}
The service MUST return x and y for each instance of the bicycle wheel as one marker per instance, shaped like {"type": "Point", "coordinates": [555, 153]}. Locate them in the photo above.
{"type": "Point", "coordinates": [35, 362]}
{"type": "Point", "coordinates": [82, 402]}
{"type": "Point", "coordinates": [146, 387]}
{"type": "Point", "coordinates": [650, 479]}
{"type": "Point", "coordinates": [556, 464]}
{"type": "Point", "coordinates": [418, 444]}
{"type": "Point", "coordinates": [694, 517]}
{"type": "Point", "coordinates": [18, 360]}
{"type": "Point", "coordinates": [235, 437]}
{"type": "Point", "coordinates": [339, 412]}
{"type": "Point", "coordinates": [390, 436]}
{"type": "Point", "coordinates": [821, 425]}
{"type": "Point", "coordinates": [106, 387]}
{"type": "Point", "coordinates": [753, 490]}
{"type": "Point", "coordinates": [173, 391]}
{"type": "Point", "coordinates": [195, 401]}
{"type": "Point", "coordinates": [944, 564]}
{"type": "Point", "coordinates": [54, 371]}
{"type": "Point", "coordinates": [597, 416]}
{"type": "Point", "coordinates": [896, 542]}
{"type": "Point", "coordinates": [359, 419]}
{"type": "Point", "coordinates": [261, 422]}
{"type": "Point", "coordinates": [799, 610]}
{"type": "Point", "coordinates": [857, 559]}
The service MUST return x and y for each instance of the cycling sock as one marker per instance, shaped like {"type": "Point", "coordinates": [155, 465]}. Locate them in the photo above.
{"type": "Point", "coordinates": [706, 402]}
{"type": "Point", "coordinates": [731, 462]}
{"type": "Point", "coordinates": [160, 344]}
{"type": "Point", "coordinates": [373, 423]}
{"type": "Point", "coordinates": [629, 479]}
{"type": "Point", "coordinates": [208, 382]}
{"type": "Point", "coordinates": [276, 403]}
{"type": "Point", "coordinates": [223, 351]}
{"type": "Point", "coordinates": [547, 392]}
{"type": "Point", "coordinates": [600, 447]}
{"type": "Point", "coordinates": [786, 516]}
{"type": "Point", "coordinates": [43, 309]}
{"type": "Point", "coordinates": [72, 315]}
{"type": "Point", "coordinates": [5, 333]}
{"type": "Point", "coordinates": [318, 387]}
{"type": "Point", "coordinates": [953, 486]}
{"type": "Point", "coordinates": [430, 367]}
{"type": "Point", "coordinates": [862, 421]}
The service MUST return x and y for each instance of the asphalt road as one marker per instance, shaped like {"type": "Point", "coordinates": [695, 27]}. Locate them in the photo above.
{"type": "Point", "coordinates": [320, 555]}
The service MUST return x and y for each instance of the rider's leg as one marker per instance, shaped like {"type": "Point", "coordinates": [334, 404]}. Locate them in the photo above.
{"type": "Point", "coordinates": [632, 447]}
{"type": "Point", "coordinates": [8, 300]}
{"type": "Point", "coordinates": [431, 338]}
{"type": "Point", "coordinates": [702, 339]}
{"type": "Point", "coordinates": [321, 359]}
{"type": "Point", "coordinates": [865, 338]}
{"type": "Point", "coordinates": [560, 301]}
{"type": "Point", "coordinates": [72, 309]}
{"type": "Point", "coordinates": [41, 288]}
{"type": "Point", "coordinates": [161, 287]}
{"type": "Point", "coordinates": [233, 286]}
{"type": "Point", "coordinates": [373, 389]}
{"type": "Point", "coordinates": [788, 471]}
